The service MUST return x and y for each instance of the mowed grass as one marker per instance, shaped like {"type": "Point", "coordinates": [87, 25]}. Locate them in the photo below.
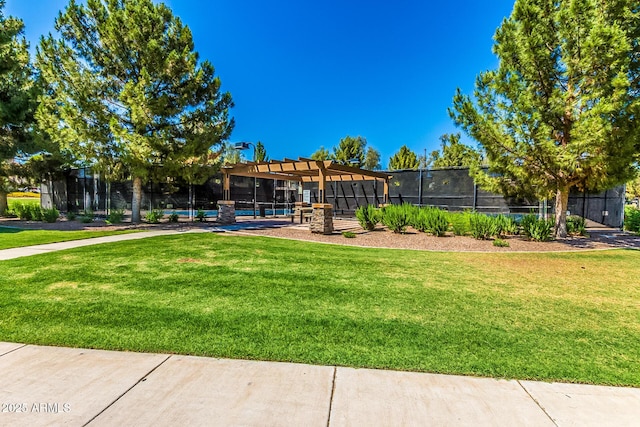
{"type": "Point", "coordinates": [23, 200]}
{"type": "Point", "coordinates": [567, 317]}
{"type": "Point", "coordinates": [16, 237]}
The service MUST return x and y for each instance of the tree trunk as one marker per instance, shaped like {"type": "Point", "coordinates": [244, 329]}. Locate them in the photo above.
{"type": "Point", "coordinates": [562, 203]}
{"type": "Point", "coordinates": [4, 204]}
{"type": "Point", "coordinates": [136, 201]}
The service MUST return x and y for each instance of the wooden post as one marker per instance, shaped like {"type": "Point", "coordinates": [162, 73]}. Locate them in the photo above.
{"type": "Point", "coordinates": [322, 183]}
{"type": "Point", "coordinates": [386, 191]}
{"type": "Point", "coordinates": [226, 189]}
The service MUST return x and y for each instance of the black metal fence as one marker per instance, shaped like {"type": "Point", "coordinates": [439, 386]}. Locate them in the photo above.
{"type": "Point", "coordinates": [451, 189]}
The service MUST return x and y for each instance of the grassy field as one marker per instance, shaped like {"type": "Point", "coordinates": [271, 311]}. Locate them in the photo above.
{"type": "Point", "coordinates": [16, 238]}
{"type": "Point", "coordinates": [568, 317]}
{"type": "Point", "coordinates": [24, 200]}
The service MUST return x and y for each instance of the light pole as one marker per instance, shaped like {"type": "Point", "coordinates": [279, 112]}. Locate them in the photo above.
{"type": "Point", "coordinates": [245, 146]}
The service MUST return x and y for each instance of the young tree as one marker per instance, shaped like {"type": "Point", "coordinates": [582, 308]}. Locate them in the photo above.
{"type": "Point", "coordinates": [404, 159]}
{"type": "Point", "coordinates": [453, 153]}
{"type": "Point", "coordinates": [561, 110]}
{"type": "Point", "coordinates": [372, 159]}
{"type": "Point", "coordinates": [17, 100]}
{"type": "Point", "coordinates": [124, 84]}
{"type": "Point", "coordinates": [260, 153]}
{"type": "Point", "coordinates": [351, 151]}
{"type": "Point", "coordinates": [321, 154]}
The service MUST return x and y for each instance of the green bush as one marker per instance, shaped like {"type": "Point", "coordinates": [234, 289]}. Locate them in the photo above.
{"type": "Point", "coordinates": [576, 225]}
{"type": "Point", "coordinates": [460, 223]}
{"type": "Point", "coordinates": [201, 215]}
{"type": "Point", "coordinates": [87, 216]}
{"type": "Point", "coordinates": [505, 225]}
{"type": "Point", "coordinates": [154, 216]}
{"type": "Point", "coordinates": [71, 216]}
{"type": "Point", "coordinates": [431, 220]}
{"type": "Point", "coordinates": [632, 219]}
{"type": "Point", "coordinates": [483, 226]}
{"type": "Point", "coordinates": [28, 212]}
{"type": "Point", "coordinates": [501, 243]}
{"type": "Point", "coordinates": [349, 234]}
{"type": "Point", "coordinates": [368, 217]}
{"type": "Point", "coordinates": [116, 216]}
{"type": "Point", "coordinates": [396, 217]}
{"type": "Point", "coordinates": [173, 217]}
{"type": "Point", "coordinates": [537, 229]}
{"type": "Point", "coordinates": [50, 215]}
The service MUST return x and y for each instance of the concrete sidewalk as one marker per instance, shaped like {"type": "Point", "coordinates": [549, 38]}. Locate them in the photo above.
{"type": "Point", "coordinates": [63, 386]}
{"type": "Point", "coordinates": [12, 253]}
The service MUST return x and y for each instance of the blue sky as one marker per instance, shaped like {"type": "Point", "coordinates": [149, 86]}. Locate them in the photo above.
{"type": "Point", "coordinates": [304, 74]}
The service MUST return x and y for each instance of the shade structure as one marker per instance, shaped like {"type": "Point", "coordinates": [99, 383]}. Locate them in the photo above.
{"type": "Point", "coordinates": [304, 170]}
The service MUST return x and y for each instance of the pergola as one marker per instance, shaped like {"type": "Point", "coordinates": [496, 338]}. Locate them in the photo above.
{"type": "Point", "coordinates": [303, 170]}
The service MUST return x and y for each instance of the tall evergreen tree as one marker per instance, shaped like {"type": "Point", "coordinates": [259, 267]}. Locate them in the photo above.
{"type": "Point", "coordinates": [372, 159]}
{"type": "Point", "coordinates": [351, 151]}
{"type": "Point", "coordinates": [321, 154]}
{"type": "Point", "coordinates": [561, 110]}
{"type": "Point", "coordinates": [17, 100]}
{"type": "Point", "coordinates": [124, 84]}
{"type": "Point", "coordinates": [260, 153]}
{"type": "Point", "coordinates": [404, 159]}
{"type": "Point", "coordinates": [453, 153]}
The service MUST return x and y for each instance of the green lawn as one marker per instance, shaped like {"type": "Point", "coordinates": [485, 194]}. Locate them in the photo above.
{"type": "Point", "coordinates": [15, 237]}
{"type": "Point", "coordinates": [24, 200]}
{"type": "Point", "coordinates": [569, 317]}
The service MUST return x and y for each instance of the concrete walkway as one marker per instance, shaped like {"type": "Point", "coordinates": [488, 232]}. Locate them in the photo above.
{"type": "Point", "coordinates": [76, 387]}
{"type": "Point", "coordinates": [12, 253]}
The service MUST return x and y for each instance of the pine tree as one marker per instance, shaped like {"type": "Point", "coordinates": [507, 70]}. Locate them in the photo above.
{"type": "Point", "coordinates": [260, 153]}
{"type": "Point", "coordinates": [321, 154]}
{"type": "Point", "coordinates": [560, 111]}
{"type": "Point", "coordinates": [372, 159]}
{"type": "Point", "coordinates": [453, 153]}
{"type": "Point", "coordinates": [17, 100]}
{"type": "Point", "coordinates": [404, 159]}
{"type": "Point", "coordinates": [124, 85]}
{"type": "Point", "coordinates": [351, 151]}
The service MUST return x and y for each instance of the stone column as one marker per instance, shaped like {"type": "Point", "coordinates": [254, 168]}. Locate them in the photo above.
{"type": "Point", "coordinates": [226, 212]}
{"type": "Point", "coordinates": [322, 219]}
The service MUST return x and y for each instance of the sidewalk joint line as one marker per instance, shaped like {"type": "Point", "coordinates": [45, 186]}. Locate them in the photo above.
{"type": "Point", "coordinates": [333, 389]}
{"type": "Point", "coordinates": [143, 378]}
{"type": "Point", "coordinates": [15, 349]}
{"type": "Point", "coordinates": [537, 403]}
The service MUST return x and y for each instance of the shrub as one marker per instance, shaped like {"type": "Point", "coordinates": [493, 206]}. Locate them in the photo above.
{"type": "Point", "coordinates": [431, 220]}
{"type": "Point", "coordinates": [50, 215]}
{"type": "Point", "coordinates": [576, 225]}
{"type": "Point", "coordinates": [173, 217]}
{"type": "Point", "coordinates": [396, 217]}
{"type": "Point", "coordinates": [460, 223]}
{"type": "Point", "coordinates": [349, 234]}
{"type": "Point", "coordinates": [632, 219]}
{"type": "Point", "coordinates": [483, 226]}
{"type": "Point", "coordinates": [28, 212]}
{"type": "Point", "coordinates": [505, 225]}
{"type": "Point", "coordinates": [368, 217]}
{"type": "Point", "coordinates": [537, 229]}
{"type": "Point", "coordinates": [71, 216]}
{"type": "Point", "coordinates": [201, 215]}
{"type": "Point", "coordinates": [154, 216]}
{"type": "Point", "coordinates": [116, 216]}
{"type": "Point", "coordinates": [87, 216]}
{"type": "Point", "coordinates": [36, 212]}
{"type": "Point", "coordinates": [501, 243]}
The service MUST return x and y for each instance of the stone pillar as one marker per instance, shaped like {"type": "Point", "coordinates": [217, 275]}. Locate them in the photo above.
{"type": "Point", "coordinates": [322, 219]}
{"type": "Point", "coordinates": [226, 212]}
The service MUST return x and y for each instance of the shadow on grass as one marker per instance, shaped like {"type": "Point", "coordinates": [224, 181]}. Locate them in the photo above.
{"type": "Point", "coordinates": [10, 230]}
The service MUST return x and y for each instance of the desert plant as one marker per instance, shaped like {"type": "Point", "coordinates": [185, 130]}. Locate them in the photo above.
{"type": "Point", "coordinates": [576, 225]}
{"type": "Point", "coordinates": [541, 230]}
{"type": "Point", "coordinates": [431, 220]}
{"type": "Point", "coordinates": [22, 211]}
{"type": "Point", "coordinates": [632, 219]}
{"type": "Point", "coordinates": [201, 215]}
{"type": "Point", "coordinates": [71, 216]}
{"type": "Point", "coordinates": [368, 217]}
{"type": "Point", "coordinates": [349, 234]}
{"type": "Point", "coordinates": [173, 217]}
{"type": "Point", "coordinates": [116, 216]}
{"type": "Point", "coordinates": [154, 216]}
{"type": "Point", "coordinates": [483, 226]}
{"type": "Point", "coordinates": [460, 223]}
{"type": "Point", "coordinates": [396, 217]}
{"type": "Point", "coordinates": [505, 225]}
{"type": "Point", "coordinates": [50, 215]}
{"type": "Point", "coordinates": [501, 243]}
